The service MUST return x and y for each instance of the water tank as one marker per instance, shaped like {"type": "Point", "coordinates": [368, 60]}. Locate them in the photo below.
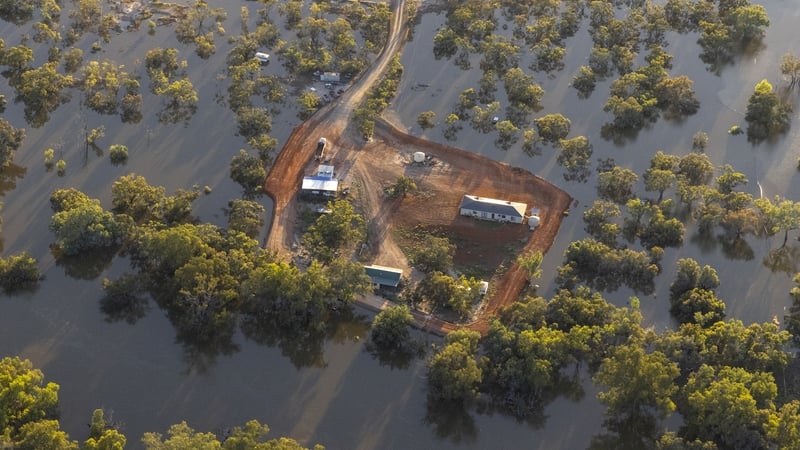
{"type": "Point", "coordinates": [419, 157]}
{"type": "Point", "coordinates": [533, 222]}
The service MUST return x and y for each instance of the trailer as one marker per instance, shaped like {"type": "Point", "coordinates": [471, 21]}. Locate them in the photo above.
{"type": "Point", "coordinates": [320, 149]}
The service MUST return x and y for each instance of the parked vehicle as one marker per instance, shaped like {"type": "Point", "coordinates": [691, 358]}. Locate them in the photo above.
{"type": "Point", "coordinates": [320, 149]}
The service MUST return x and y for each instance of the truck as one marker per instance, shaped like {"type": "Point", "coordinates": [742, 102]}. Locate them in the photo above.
{"type": "Point", "coordinates": [321, 144]}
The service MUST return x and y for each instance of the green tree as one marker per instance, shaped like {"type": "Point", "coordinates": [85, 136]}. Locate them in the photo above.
{"type": "Point", "coordinates": [584, 81]}
{"type": "Point", "coordinates": [41, 90]}
{"type": "Point", "coordinates": [426, 119]}
{"type": "Point", "coordinates": [433, 254]}
{"type": "Point", "coordinates": [552, 127]}
{"type": "Point", "coordinates": [10, 140]}
{"type": "Point", "coordinates": [598, 220]}
{"type": "Point", "coordinates": [638, 384]}
{"type": "Point", "coordinates": [24, 396]}
{"type": "Point", "coordinates": [309, 104]}
{"type": "Point", "coordinates": [767, 115]}
{"type": "Point", "coordinates": [778, 215]}
{"type": "Point", "coordinates": [531, 263]}
{"type": "Point", "coordinates": [331, 232]}
{"type": "Point", "coordinates": [118, 153]}
{"type": "Point", "coordinates": [44, 435]}
{"type": "Point", "coordinates": [616, 184]}
{"type": "Point", "coordinates": [453, 372]}
{"type": "Point", "coordinates": [574, 157]}
{"type": "Point", "coordinates": [83, 226]}
{"type": "Point", "coordinates": [347, 280]}
{"type": "Point", "coordinates": [181, 436]}
{"type": "Point", "coordinates": [402, 186]}
{"type": "Point", "coordinates": [245, 216]}
{"type": "Point", "coordinates": [747, 22]}
{"type": "Point", "coordinates": [253, 121]}
{"type": "Point", "coordinates": [729, 406]}
{"type": "Point", "coordinates": [249, 172]}
{"type": "Point", "coordinates": [390, 328]}
{"type": "Point", "coordinates": [19, 272]}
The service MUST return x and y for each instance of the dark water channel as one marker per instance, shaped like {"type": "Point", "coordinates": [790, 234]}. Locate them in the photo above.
{"type": "Point", "coordinates": [340, 396]}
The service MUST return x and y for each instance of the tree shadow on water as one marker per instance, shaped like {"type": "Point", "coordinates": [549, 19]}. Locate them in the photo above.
{"type": "Point", "coordinates": [451, 421]}
{"type": "Point", "coordinates": [9, 176]}
{"type": "Point", "coordinates": [86, 266]}
{"type": "Point", "coordinates": [302, 338]}
{"type": "Point", "coordinates": [631, 433]}
{"type": "Point", "coordinates": [784, 259]}
{"type": "Point", "coordinates": [202, 348]}
{"type": "Point", "coordinates": [125, 299]}
{"type": "Point", "coordinates": [395, 358]}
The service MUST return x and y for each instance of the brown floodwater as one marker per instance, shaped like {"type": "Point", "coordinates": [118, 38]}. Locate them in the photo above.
{"type": "Point", "coordinates": [331, 390]}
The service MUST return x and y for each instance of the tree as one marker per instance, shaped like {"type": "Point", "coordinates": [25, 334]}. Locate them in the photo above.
{"type": "Point", "coordinates": [676, 95]}
{"type": "Point", "coordinates": [309, 104]}
{"type": "Point", "coordinates": [506, 134]}
{"type": "Point", "coordinates": [616, 185]}
{"type": "Point", "coordinates": [433, 254]}
{"type": "Point", "coordinates": [426, 119]}
{"type": "Point", "coordinates": [453, 373]}
{"type": "Point", "coordinates": [10, 140]}
{"type": "Point", "coordinates": [787, 434]}
{"type": "Point", "coordinates": [245, 216]}
{"type": "Point", "coordinates": [19, 272]}
{"type": "Point", "coordinates": [101, 436]}
{"type": "Point", "coordinates": [402, 186]}
{"type": "Point", "coordinates": [531, 263]}
{"type": "Point", "coordinates": [41, 91]}
{"type": "Point", "coordinates": [44, 435]}
{"type": "Point", "coordinates": [552, 127]}
{"type": "Point", "coordinates": [598, 222]}
{"type": "Point", "coordinates": [778, 215]}
{"type": "Point", "coordinates": [249, 172]}
{"type": "Point", "coordinates": [331, 232]}
{"type": "Point", "coordinates": [253, 121]}
{"type": "Point", "coordinates": [638, 384]}
{"type": "Point", "coordinates": [118, 153]}
{"type": "Point", "coordinates": [767, 115]}
{"type": "Point", "coordinates": [180, 436]}
{"type": "Point", "coordinates": [83, 225]}
{"type": "Point", "coordinates": [790, 67]}
{"type": "Point", "coordinates": [584, 81]}
{"type": "Point", "coordinates": [347, 280]}
{"type": "Point", "coordinates": [729, 406]}
{"type": "Point", "coordinates": [574, 157]}
{"type": "Point", "coordinates": [747, 22]}
{"type": "Point", "coordinates": [390, 328]}
{"type": "Point", "coordinates": [24, 396]}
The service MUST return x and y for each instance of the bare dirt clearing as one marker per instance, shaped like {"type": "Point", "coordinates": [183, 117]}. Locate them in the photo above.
{"type": "Point", "coordinates": [367, 168]}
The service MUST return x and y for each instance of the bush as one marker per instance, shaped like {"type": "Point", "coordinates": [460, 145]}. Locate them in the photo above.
{"type": "Point", "coordinates": [118, 154]}
{"type": "Point", "coordinates": [18, 272]}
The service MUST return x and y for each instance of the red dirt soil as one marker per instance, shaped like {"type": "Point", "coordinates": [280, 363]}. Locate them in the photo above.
{"type": "Point", "coordinates": [369, 167]}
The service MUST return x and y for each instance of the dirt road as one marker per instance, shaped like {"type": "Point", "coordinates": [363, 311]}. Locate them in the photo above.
{"type": "Point", "coordinates": [369, 167]}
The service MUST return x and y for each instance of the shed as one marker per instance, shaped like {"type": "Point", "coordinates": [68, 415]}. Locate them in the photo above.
{"type": "Point", "coordinates": [492, 209]}
{"type": "Point", "coordinates": [332, 77]}
{"type": "Point", "coordinates": [383, 276]}
{"type": "Point", "coordinates": [323, 186]}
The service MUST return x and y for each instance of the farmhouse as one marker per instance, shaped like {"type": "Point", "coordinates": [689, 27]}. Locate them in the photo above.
{"type": "Point", "coordinates": [383, 276]}
{"type": "Point", "coordinates": [492, 209]}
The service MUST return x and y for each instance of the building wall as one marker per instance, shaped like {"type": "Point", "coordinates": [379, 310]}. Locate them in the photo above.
{"type": "Point", "coordinates": [490, 216]}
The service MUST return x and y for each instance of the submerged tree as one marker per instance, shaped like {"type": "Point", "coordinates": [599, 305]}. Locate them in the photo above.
{"type": "Point", "coordinates": [767, 115]}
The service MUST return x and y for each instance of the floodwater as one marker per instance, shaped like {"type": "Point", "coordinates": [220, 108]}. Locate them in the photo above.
{"type": "Point", "coordinates": [331, 390]}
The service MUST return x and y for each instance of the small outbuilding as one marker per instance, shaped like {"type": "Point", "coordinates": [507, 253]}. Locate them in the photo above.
{"type": "Point", "coordinates": [492, 209]}
{"type": "Point", "coordinates": [383, 276]}
{"type": "Point", "coordinates": [330, 77]}
{"type": "Point", "coordinates": [419, 157]}
{"type": "Point", "coordinates": [262, 57]}
{"type": "Point", "coordinates": [320, 186]}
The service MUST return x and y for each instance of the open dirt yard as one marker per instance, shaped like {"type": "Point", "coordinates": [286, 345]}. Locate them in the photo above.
{"type": "Point", "coordinates": [368, 167]}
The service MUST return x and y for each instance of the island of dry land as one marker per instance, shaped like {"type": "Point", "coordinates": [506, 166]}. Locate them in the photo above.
{"type": "Point", "coordinates": [368, 167]}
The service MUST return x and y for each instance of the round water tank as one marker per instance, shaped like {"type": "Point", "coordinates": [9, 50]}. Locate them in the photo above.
{"type": "Point", "coordinates": [419, 157]}
{"type": "Point", "coordinates": [533, 222]}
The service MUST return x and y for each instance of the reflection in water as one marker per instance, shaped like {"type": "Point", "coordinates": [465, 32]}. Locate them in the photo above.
{"type": "Point", "coordinates": [86, 266]}
{"type": "Point", "coordinates": [303, 340]}
{"type": "Point", "coordinates": [200, 350]}
{"type": "Point", "coordinates": [9, 176]}
{"type": "Point", "coordinates": [637, 432]}
{"type": "Point", "coordinates": [785, 259]}
{"type": "Point", "coordinates": [125, 299]}
{"type": "Point", "coordinates": [396, 358]}
{"type": "Point", "coordinates": [451, 421]}
{"type": "Point", "coordinates": [736, 248]}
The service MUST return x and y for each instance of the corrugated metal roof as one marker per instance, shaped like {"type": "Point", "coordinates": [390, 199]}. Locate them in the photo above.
{"type": "Point", "coordinates": [493, 205]}
{"type": "Point", "coordinates": [386, 276]}
{"type": "Point", "coordinates": [320, 184]}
